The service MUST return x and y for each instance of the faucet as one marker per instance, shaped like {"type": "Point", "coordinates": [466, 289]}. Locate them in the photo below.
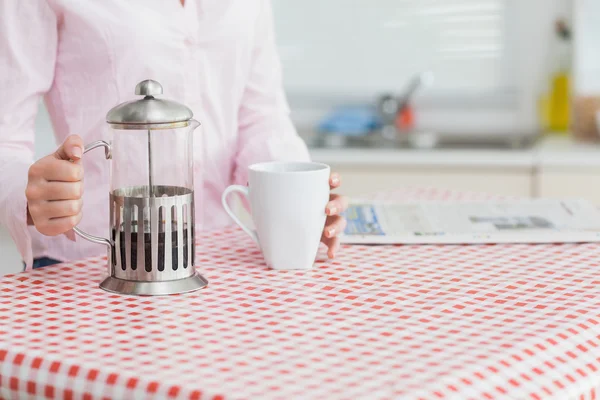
{"type": "Point", "coordinates": [391, 106]}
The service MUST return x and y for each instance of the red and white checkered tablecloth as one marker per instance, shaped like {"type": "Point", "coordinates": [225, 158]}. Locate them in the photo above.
{"type": "Point", "coordinates": [380, 322]}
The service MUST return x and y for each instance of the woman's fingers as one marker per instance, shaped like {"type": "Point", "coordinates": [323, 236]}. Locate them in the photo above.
{"type": "Point", "coordinates": [337, 204]}
{"type": "Point", "coordinates": [333, 245]}
{"type": "Point", "coordinates": [64, 171]}
{"type": "Point", "coordinates": [56, 226]}
{"type": "Point", "coordinates": [51, 169]}
{"type": "Point", "coordinates": [62, 190]}
{"type": "Point", "coordinates": [57, 209]}
{"type": "Point", "coordinates": [70, 234]}
{"type": "Point", "coordinates": [71, 149]}
{"type": "Point", "coordinates": [334, 226]}
{"type": "Point", "coordinates": [335, 180]}
{"type": "Point", "coordinates": [54, 189]}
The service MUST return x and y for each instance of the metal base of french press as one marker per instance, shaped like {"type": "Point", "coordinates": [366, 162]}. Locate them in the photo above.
{"type": "Point", "coordinates": [138, 288]}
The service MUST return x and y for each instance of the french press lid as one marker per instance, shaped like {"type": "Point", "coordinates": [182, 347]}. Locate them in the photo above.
{"type": "Point", "coordinates": [149, 112]}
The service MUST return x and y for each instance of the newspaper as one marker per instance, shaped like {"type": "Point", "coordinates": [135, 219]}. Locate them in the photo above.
{"type": "Point", "coordinates": [522, 221]}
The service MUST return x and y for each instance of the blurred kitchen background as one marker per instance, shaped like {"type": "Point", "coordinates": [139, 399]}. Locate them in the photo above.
{"type": "Point", "coordinates": [499, 96]}
{"type": "Point", "coordinates": [504, 101]}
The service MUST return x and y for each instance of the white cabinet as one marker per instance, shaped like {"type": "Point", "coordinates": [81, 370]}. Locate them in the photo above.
{"type": "Point", "coordinates": [361, 180]}
{"type": "Point", "coordinates": [554, 167]}
{"type": "Point", "coordinates": [569, 182]}
{"type": "Point", "coordinates": [507, 173]}
{"type": "Point", "coordinates": [565, 168]}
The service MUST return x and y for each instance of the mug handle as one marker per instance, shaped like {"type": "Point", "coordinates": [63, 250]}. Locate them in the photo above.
{"type": "Point", "coordinates": [243, 190]}
{"type": "Point", "coordinates": [87, 236]}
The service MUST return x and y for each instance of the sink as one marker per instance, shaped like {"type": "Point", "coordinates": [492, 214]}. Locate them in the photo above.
{"type": "Point", "coordinates": [376, 140]}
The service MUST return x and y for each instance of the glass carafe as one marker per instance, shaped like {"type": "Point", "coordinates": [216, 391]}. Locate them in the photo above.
{"type": "Point", "coordinates": [151, 243]}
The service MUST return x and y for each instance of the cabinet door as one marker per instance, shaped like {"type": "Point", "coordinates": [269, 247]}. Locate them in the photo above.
{"type": "Point", "coordinates": [570, 183]}
{"type": "Point", "coordinates": [361, 180]}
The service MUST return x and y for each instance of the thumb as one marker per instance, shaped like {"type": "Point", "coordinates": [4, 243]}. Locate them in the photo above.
{"type": "Point", "coordinates": [71, 149]}
{"type": "Point", "coordinates": [70, 234]}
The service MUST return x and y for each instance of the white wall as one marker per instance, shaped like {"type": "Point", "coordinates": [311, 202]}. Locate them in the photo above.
{"type": "Point", "coordinates": [587, 38]}
{"type": "Point", "coordinates": [490, 57]}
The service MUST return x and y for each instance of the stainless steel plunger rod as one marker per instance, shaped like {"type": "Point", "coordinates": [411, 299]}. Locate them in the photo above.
{"type": "Point", "coordinates": [150, 179]}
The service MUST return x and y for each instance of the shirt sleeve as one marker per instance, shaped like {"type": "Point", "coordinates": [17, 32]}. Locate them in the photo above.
{"type": "Point", "coordinates": [28, 38]}
{"type": "Point", "coordinates": [266, 132]}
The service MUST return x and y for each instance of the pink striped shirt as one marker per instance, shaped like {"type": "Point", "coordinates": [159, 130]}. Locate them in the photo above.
{"type": "Point", "coordinates": [83, 57]}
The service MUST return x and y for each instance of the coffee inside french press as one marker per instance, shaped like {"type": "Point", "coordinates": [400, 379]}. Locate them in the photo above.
{"type": "Point", "coordinates": [169, 239]}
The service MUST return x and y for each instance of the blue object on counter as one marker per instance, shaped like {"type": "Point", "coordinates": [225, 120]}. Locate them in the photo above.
{"type": "Point", "coordinates": [350, 121]}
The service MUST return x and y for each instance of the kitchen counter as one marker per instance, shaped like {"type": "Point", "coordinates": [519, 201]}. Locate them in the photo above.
{"type": "Point", "coordinates": [434, 157]}
{"type": "Point", "coordinates": [552, 166]}
{"type": "Point", "coordinates": [550, 151]}
{"type": "Point", "coordinates": [565, 152]}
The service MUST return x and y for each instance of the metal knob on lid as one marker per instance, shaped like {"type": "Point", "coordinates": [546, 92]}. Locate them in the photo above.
{"type": "Point", "coordinates": [148, 88]}
{"type": "Point", "coordinates": [149, 112]}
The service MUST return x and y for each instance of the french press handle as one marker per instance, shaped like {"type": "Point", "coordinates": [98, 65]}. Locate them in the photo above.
{"type": "Point", "coordinates": [87, 236]}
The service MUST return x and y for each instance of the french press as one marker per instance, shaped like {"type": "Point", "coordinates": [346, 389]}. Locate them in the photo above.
{"type": "Point", "coordinates": [151, 199]}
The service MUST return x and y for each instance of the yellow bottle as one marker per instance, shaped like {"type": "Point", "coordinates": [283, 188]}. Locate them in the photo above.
{"type": "Point", "coordinates": [560, 102]}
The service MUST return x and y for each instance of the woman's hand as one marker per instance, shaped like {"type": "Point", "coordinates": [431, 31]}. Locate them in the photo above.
{"type": "Point", "coordinates": [54, 190]}
{"type": "Point", "coordinates": [335, 223]}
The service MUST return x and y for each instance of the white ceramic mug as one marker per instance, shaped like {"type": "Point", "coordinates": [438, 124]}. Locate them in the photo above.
{"type": "Point", "coordinates": [287, 201]}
